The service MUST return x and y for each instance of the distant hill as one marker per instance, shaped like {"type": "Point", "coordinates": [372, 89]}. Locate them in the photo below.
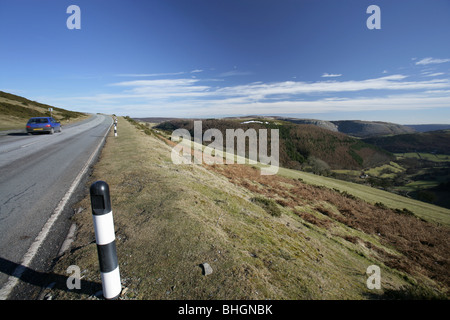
{"type": "Point", "coordinates": [428, 142]}
{"type": "Point", "coordinates": [364, 129]}
{"type": "Point", "coordinates": [320, 123]}
{"type": "Point", "coordinates": [16, 110]}
{"type": "Point", "coordinates": [428, 127]}
{"type": "Point", "coordinates": [357, 128]}
{"type": "Point", "coordinates": [302, 145]}
{"type": "Point", "coordinates": [154, 119]}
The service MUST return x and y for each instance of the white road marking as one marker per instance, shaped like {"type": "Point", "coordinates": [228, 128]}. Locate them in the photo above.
{"type": "Point", "coordinates": [26, 261]}
{"type": "Point", "coordinates": [69, 239]}
{"type": "Point", "coordinates": [26, 145]}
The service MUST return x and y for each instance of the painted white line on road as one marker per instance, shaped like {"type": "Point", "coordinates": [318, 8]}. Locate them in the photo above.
{"type": "Point", "coordinates": [27, 145]}
{"type": "Point", "coordinates": [26, 261]}
{"type": "Point", "coordinates": [69, 239]}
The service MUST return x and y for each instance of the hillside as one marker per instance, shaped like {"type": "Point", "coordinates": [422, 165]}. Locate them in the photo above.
{"type": "Point", "coordinates": [357, 128]}
{"type": "Point", "coordinates": [429, 142]}
{"type": "Point", "coordinates": [428, 127]}
{"type": "Point", "coordinates": [421, 169]}
{"type": "Point", "coordinates": [16, 110]}
{"type": "Point", "coordinates": [413, 165]}
{"type": "Point", "coordinates": [364, 129]}
{"type": "Point", "coordinates": [302, 146]}
{"type": "Point", "coordinates": [154, 119]}
{"type": "Point", "coordinates": [320, 123]}
{"type": "Point", "coordinates": [265, 237]}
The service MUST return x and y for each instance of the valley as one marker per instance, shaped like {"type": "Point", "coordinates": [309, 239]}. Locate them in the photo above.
{"type": "Point", "coordinates": [414, 165]}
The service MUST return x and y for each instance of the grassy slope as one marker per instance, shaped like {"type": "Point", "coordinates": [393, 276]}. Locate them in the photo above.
{"type": "Point", "coordinates": [16, 110]}
{"type": "Point", "coordinates": [424, 210]}
{"type": "Point", "coordinates": [171, 218]}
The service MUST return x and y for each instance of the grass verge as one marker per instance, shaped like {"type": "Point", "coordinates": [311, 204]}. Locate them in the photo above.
{"type": "Point", "coordinates": [170, 219]}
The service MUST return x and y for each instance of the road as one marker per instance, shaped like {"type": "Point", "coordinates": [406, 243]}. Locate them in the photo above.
{"type": "Point", "coordinates": [37, 176]}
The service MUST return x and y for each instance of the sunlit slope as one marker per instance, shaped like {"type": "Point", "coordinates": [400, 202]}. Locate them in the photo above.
{"type": "Point", "coordinates": [423, 210]}
{"type": "Point", "coordinates": [16, 110]}
{"type": "Point", "coordinates": [265, 237]}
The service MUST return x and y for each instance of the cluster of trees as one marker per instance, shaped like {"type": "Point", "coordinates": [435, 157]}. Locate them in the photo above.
{"type": "Point", "coordinates": [426, 142]}
{"type": "Point", "coordinates": [302, 146]}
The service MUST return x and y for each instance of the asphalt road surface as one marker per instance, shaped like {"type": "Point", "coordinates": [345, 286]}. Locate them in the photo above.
{"type": "Point", "coordinates": [38, 174]}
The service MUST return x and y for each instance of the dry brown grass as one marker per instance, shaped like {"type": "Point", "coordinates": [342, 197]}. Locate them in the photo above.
{"type": "Point", "coordinates": [424, 246]}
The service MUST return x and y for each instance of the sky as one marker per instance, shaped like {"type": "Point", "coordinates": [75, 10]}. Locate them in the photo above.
{"type": "Point", "coordinates": [216, 58]}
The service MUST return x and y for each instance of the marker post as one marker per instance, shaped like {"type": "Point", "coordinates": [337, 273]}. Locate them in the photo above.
{"type": "Point", "coordinates": [105, 239]}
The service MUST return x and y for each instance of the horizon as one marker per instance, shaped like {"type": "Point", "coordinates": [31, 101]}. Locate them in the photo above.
{"type": "Point", "coordinates": [287, 117]}
{"type": "Point", "coordinates": [209, 59]}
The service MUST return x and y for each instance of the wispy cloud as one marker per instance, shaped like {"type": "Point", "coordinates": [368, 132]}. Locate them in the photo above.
{"type": "Point", "coordinates": [163, 88]}
{"type": "Point", "coordinates": [434, 74]}
{"type": "Point", "coordinates": [427, 61]}
{"type": "Point", "coordinates": [233, 73]}
{"type": "Point", "coordinates": [165, 74]}
{"type": "Point", "coordinates": [286, 89]}
{"type": "Point", "coordinates": [392, 82]}
{"type": "Point", "coordinates": [155, 83]}
{"type": "Point", "coordinates": [137, 75]}
{"type": "Point", "coordinates": [331, 75]}
{"type": "Point", "coordinates": [188, 97]}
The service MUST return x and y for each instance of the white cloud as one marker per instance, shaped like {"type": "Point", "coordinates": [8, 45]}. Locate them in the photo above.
{"type": "Point", "coordinates": [185, 97]}
{"type": "Point", "coordinates": [259, 90]}
{"type": "Point", "coordinates": [434, 74]}
{"type": "Point", "coordinates": [163, 89]}
{"type": "Point", "coordinates": [399, 102]}
{"type": "Point", "coordinates": [233, 73]}
{"type": "Point", "coordinates": [427, 61]}
{"type": "Point", "coordinates": [392, 82]}
{"type": "Point", "coordinates": [331, 75]}
{"type": "Point", "coordinates": [142, 75]}
{"type": "Point", "coordinates": [235, 106]}
{"type": "Point", "coordinates": [156, 83]}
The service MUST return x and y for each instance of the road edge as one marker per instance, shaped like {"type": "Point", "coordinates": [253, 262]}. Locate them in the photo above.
{"type": "Point", "coordinates": [27, 259]}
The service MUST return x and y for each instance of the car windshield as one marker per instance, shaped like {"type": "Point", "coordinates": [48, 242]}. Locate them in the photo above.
{"type": "Point", "coordinates": [38, 120]}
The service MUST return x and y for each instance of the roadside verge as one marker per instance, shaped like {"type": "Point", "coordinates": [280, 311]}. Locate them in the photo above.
{"type": "Point", "coordinates": [171, 220]}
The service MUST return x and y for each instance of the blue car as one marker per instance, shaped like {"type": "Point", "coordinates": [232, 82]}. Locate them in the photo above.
{"type": "Point", "coordinates": [43, 124]}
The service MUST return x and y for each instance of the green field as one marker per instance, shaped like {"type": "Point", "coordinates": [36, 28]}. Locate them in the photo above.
{"type": "Point", "coordinates": [424, 156]}
{"type": "Point", "coordinates": [385, 171]}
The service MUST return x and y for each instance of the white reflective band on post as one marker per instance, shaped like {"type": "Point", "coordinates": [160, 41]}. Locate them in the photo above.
{"type": "Point", "coordinates": [104, 228]}
{"type": "Point", "coordinates": [111, 283]}
{"type": "Point", "coordinates": [105, 238]}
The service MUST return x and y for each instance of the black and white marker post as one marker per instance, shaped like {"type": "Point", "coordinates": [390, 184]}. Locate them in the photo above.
{"type": "Point", "coordinates": [115, 127]}
{"type": "Point", "coordinates": [106, 239]}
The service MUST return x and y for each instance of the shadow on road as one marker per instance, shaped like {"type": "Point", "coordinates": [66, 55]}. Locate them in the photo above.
{"type": "Point", "coordinates": [17, 134]}
{"type": "Point", "coordinates": [43, 279]}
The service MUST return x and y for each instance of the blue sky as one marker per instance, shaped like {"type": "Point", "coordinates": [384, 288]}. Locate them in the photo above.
{"type": "Point", "coordinates": [216, 58]}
